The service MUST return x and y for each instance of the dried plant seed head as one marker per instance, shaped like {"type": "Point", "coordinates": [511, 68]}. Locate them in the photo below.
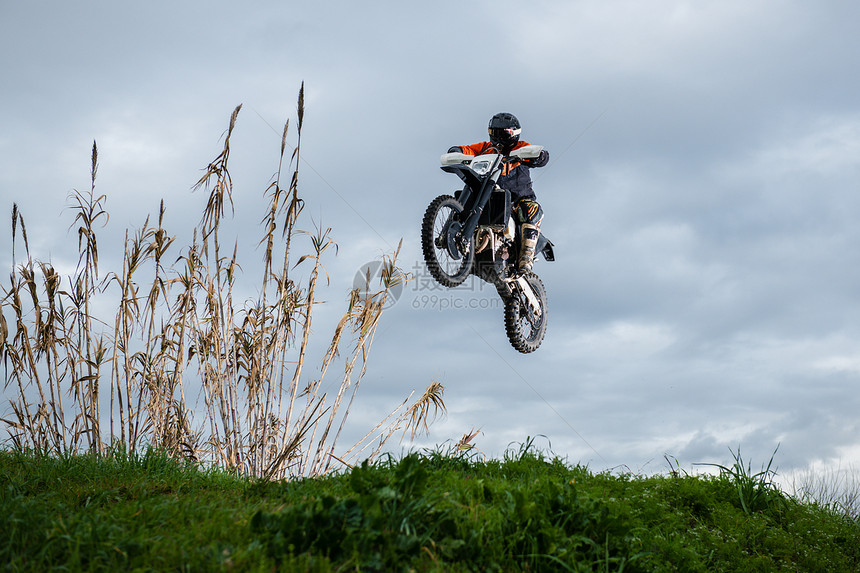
{"type": "Point", "coordinates": [284, 137]}
{"type": "Point", "coordinates": [95, 165]}
{"type": "Point", "coordinates": [24, 235]}
{"type": "Point", "coordinates": [301, 110]}
{"type": "Point", "coordinates": [233, 117]}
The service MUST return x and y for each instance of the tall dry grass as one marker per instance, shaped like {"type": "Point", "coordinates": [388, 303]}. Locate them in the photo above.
{"type": "Point", "coordinates": [836, 488]}
{"type": "Point", "coordinates": [80, 382]}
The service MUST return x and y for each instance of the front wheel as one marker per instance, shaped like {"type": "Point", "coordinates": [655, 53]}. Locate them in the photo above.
{"type": "Point", "coordinates": [525, 325]}
{"type": "Point", "coordinates": [448, 258]}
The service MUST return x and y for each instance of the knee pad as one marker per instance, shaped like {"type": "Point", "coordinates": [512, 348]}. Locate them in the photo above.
{"type": "Point", "coordinates": [529, 211]}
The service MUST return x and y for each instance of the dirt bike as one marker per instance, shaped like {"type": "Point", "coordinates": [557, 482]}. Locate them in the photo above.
{"type": "Point", "coordinates": [474, 232]}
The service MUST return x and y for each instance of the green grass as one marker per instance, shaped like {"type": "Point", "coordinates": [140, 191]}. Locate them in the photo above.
{"type": "Point", "coordinates": [424, 513]}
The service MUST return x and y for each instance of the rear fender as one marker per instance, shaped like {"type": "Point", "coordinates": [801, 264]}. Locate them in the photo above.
{"type": "Point", "coordinates": [545, 246]}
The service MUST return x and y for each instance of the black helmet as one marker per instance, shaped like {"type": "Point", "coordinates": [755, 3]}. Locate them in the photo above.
{"type": "Point", "coordinates": [504, 131]}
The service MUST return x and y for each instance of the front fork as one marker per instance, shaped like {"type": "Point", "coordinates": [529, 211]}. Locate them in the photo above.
{"type": "Point", "coordinates": [483, 195]}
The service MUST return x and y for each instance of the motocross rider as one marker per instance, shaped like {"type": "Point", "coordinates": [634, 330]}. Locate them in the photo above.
{"type": "Point", "coordinates": [504, 130]}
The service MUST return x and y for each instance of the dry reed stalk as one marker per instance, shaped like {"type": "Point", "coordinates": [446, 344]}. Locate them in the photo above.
{"type": "Point", "coordinates": [275, 325]}
{"type": "Point", "coordinates": [219, 379]}
{"type": "Point", "coordinates": [289, 295]}
{"type": "Point", "coordinates": [89, 210]}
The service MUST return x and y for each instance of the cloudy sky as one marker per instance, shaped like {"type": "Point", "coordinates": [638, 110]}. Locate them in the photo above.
{"type": "Point", "coordinates": [702, 194]}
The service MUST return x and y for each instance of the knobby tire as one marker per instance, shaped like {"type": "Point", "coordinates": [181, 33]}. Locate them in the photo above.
{"type": "Point", "coordinates": [524, 330]}
{"type": "Point", "coordinates": [441, 265]}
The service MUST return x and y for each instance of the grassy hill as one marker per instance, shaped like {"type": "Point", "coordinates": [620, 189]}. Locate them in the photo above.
{"type": "Point", "coordinates": [427, 512]}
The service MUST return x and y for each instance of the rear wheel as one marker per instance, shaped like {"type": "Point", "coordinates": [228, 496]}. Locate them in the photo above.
{"type": "Point", "coordinates": [448, 259]}
{"type": "Point", "coordinates": [525, 325]}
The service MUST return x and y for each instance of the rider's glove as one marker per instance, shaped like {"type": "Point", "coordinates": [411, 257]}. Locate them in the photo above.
{"type": "Point", "coordinates": [538, 161]}
{"type": "Point", "coordinates": [455, 149]}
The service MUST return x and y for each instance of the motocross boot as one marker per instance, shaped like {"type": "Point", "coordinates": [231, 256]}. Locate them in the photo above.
{"type": "Point", "coordinates": [528, 241]}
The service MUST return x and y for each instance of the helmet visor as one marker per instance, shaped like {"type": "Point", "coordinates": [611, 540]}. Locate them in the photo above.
{"type": "Point", "coordinates": [503, 135]}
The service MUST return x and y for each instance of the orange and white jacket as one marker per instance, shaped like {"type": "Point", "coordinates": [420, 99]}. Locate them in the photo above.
{"type": "Point", "coordinates": [515, 177]}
